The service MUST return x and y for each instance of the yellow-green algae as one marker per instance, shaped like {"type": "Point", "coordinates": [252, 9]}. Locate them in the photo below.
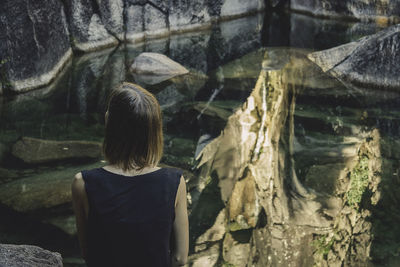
{"type": "Point", "coordinates": [358, 182]}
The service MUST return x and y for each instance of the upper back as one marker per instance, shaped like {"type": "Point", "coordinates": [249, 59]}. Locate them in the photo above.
{"type": "Point", "coordinates": [131, 214]}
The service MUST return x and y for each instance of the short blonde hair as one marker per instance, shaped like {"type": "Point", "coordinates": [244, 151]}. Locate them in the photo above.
{"type": "Point", "coordinates": [133, 132]}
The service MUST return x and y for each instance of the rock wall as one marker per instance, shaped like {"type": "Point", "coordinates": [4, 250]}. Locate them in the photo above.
{"type": "Point", "coordinates": [383, 11]}
{"type": "Point", "coordinates": [36, 45]}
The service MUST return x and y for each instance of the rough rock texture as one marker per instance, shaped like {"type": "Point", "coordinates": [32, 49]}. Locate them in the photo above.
{"type": "Point", "coordinates": [238, 7]}
{"type": "Point", "coordinates": [380, 10]}
{"type": "Point", "coordinates": [38, 192]}
{"type": "Point", "coordinates": [26, 255]}
{"type": "Point", "coordinates": [265, 197]}
{"type": "Point", "coordinates": [31, 52]}
{"type": "Point", "coordinates": [158, 65]}
{"type": "Point", "coordinates": [32, 150]}
{"type": "Point", "coordinates": [155, 22]}
{"type": "Point", "coordinates": [370, 62]}
{"type": "Point", "coordinates": [31, 55]}
{"type": "Point", "coordinates": [149, 19]}
{"type": "Point", "coordinates": [350, 241]}
{"type": "Point", "coordinates": [86, 25]}
{"type": "Point", "coordinates": [189, 14]}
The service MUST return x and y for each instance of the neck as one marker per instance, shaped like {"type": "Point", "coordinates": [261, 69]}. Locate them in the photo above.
{"type": "Point", "coordinates": [119, 170]}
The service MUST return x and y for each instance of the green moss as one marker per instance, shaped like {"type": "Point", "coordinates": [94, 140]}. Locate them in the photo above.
{"type": "Point", "coordinates": [323, 245]}
{"type": "Point", "coordinates": [358, 182]}
{"type": "Point", "coordinates": [227, 264]}
{"type": "Point", "coordinates": [234, 226]}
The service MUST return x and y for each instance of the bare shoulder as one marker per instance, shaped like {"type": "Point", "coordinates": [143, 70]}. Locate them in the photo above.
{"type": "Point", "coordinates": [181, 194]}
{"type": "Point", "coordinates": [78, 185]}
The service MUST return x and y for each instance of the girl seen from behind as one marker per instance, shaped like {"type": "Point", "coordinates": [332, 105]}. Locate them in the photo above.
{"type": "Point", "coordinates": [131, 212]}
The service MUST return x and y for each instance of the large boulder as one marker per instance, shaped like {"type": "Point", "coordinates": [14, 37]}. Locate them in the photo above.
{"type": "Point", "coordinates": [157, 65]}
{"type": "Point", "coordinates": [370, 62]}
{"type": "Point", "coordinates": [31, 52]}
{"type": "Point", "coordinates": [41, 191]}
{"type": "Point", "coordinates": [33, 150]}
{"type": "Point", "coordinates": [360, 9]}
{"type": "Point", "coordinates": [26, 255]}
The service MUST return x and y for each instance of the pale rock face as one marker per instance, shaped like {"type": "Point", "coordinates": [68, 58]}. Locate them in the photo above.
{"type": "Point", "coordinates": [216, 232]}
{"type": "Point", "coordinates": [26, 255]}
{"type": "Point", "coordinates": [157, 64]}
{"type": "Point", "coordinates": [134, 23]}
{"type": "Point", "coordinates": [96, 30]}
{"type": "Point", "coordinates": [234, 252]}
{"type": "Point", "coordinates": [112, 15]}
{"type": "Point", "coordinates": [238, 7]}
{"type": "Point", "coordinates": [188, 13]}
{"type": "Point", "coordinates": [155, 21]}
{"type": "Point", "coordinates": [87, 27]}
{"type": "Point", "coordinates": [207, 258]}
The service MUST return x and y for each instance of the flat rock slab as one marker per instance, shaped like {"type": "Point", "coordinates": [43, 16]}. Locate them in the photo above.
{"type": "Point", "coordinates": [158, 65]}
{"type": "Point", "coordinates": [41, 191]}
{"type": "Point", "coordinates": [33, 150]}
{"type": "Point", "coordinates": [26, 255]}
{"type": "Point", "coordinates": [373, 61]}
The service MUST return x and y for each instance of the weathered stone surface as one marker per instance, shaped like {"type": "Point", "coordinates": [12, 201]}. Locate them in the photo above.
{"type": "Point", "coordinates": [322, 178]}
{"type": "Point", "coordinates": [33, 150]}
{"type": "Point", "coordinates": [134, 23]}
{"type": "Point", "coordinates": [207, 258]}
{"type": "Point", "coordinates": [155, 22]}
{"type": "Point", "coordinates": [32, 52]}
{"type": "Point", "coordinates": [92, 25]}
{"type": "Point", "coordinates": [349, 242]}
{"type": "Point", "coordinates": [41, 191]}
{"type": "Point", "coordinates": [370, 62]}
{"type": "Point", "coordinates": [111, 12]}
{"type": "Point", "coordinates": [239, 7]}
{"type": "Point", "coordinates": [360, 9]}
{"type": "Point", "coordinates": [27, 255]}
{"type": "Point", "coordinates": [157, 64]}
{"type": "Point", "coordinates": [235, 252]}
{"type": "Point", "coordinates": [86, 26]}
{"type": "Point", "coordinates": [216, 232]}
{"type": "Point", "coordinates": [187, 14]}
{"type": "Point", "coordinates": [243, 206]}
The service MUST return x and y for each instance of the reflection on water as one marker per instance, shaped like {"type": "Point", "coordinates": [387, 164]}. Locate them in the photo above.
{"type": "Point", "coordinates": [317, 129]}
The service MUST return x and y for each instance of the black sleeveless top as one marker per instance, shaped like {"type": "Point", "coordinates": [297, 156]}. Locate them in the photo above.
{"type": "Point", "coordinates": [130, 217]}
